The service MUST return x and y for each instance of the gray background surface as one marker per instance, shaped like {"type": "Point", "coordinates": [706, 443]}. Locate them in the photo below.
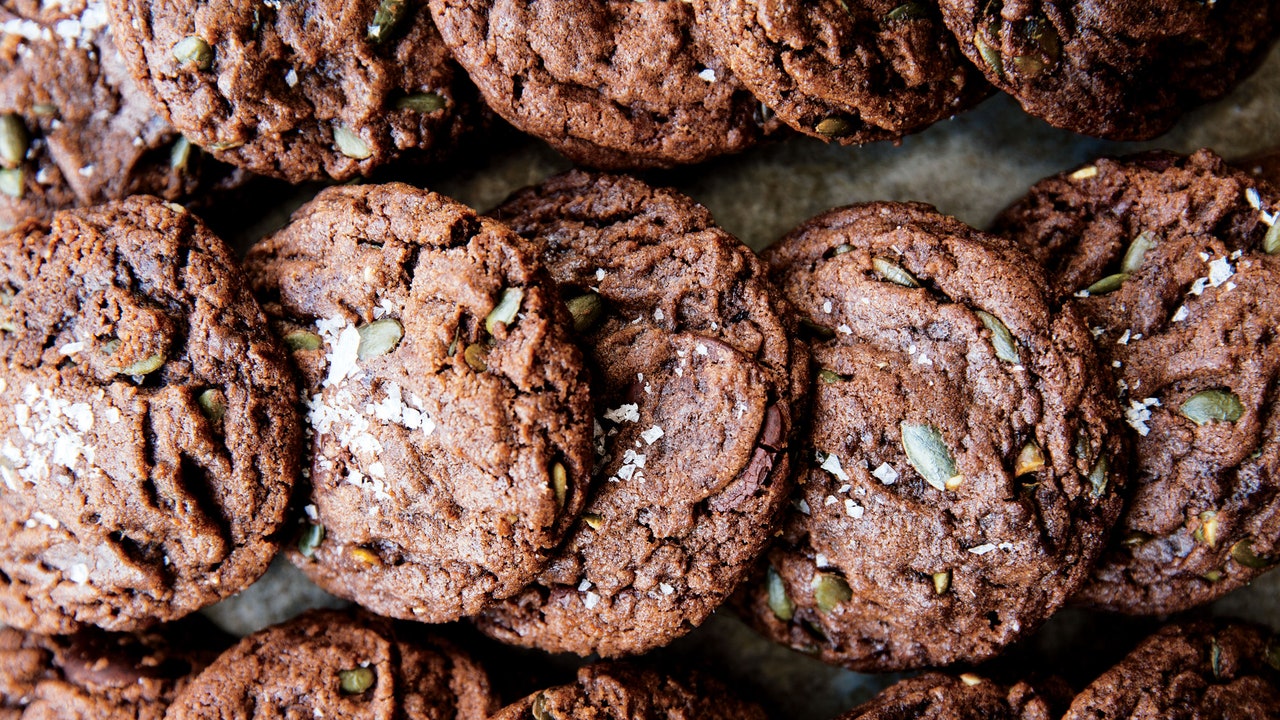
{"type": "Point", "coordinates": [970, 167]}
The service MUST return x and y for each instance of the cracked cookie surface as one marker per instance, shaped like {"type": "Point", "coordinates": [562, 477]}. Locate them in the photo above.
{"type": "Point", "coordinates": [448, 408]}
{"type": "Point", "coordinates": [849, 72]}
{"type": "Point", "coordinates": [934, 696]}
{"type": "Point", "coordinates": [335, 664]}
{"type": "Point", "coordinates": [299, 90]}
{"type": "Point", "coordinates": [694, 378]}
{"type": "Point", "coordinates": [1166, 258]}
{"type": "Point", "coordinates": [959, 472]}
{"type": "Point", "coordinates": [610, 83]}
{"type": "Point", "coordinates": [74, 127]}
{"type": "Point", "coordinates": [148, 442]}
{"type": "Point", "coordinates": [1117, 70]}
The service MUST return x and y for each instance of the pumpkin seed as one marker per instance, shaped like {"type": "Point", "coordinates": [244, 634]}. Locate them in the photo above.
{"type": "Point", "coordinates": [1212, 406]}
{"type": "Point", "coordinates": [13, 140]}
{"type": "Point", "coordinates": [505, 311]}
{"type": "Point", "coordinates": [195, 51]}
{"type": "Point", "coordinates": [906, 11]}
{"type": "Point", "coordinates": [213, 403]}
{"type": "Point", "coordinates": [180, 155]}
{"type": "Point", "coordinates": [385, 18]}
{"type": "Point", "coordinates": [477, 356]}
{"type": "Point", "coordinates": [779, 603]}
{"type": "Point", "coordinates": [834, 127]}
{"type": "Point", "coordinates": [1108, 284]}
{"type": "Point", "coordinates": [146, 366]}
{"type": "Point", "coordinates": [310, 539]}
{"type": "Point", "coordinates": [1137, 252]}
{"type": "Point", "coordinates": [928, 454]}
{"type": "Point", "coordinates": [1271, 242]}
{"type": "Point", "coordinates": [422, 102]}
{"type": "Point", "coordinates": [1030, 459]}
{"type": "Point", "coordinates": [356, 680]}
{"type": "Point", "coordinates": [1242, 552]}
{"type": "Point", "coordinates": [942, 582]}
{"type": "Point", "coordinates": [379, 338]}
{"type": "Point", "coordinates": [829, 591]}
{"type": "Point", "coordinates": [894, 272]}
{"type": "Point", "coordinates": [559, 483]}
{"type": "Point", "coordinates": [302, 340]}
{"type": "Point", "coordinates": [1001, 339]}
{"type": "Point", "coordinates": [586, 311]}
{"type": "Point", "coordinates": [1099, 476]}
{"type": "Point", "coordinates": [350, 144]}
{"type": "Point", "coordinates": [12, 183]}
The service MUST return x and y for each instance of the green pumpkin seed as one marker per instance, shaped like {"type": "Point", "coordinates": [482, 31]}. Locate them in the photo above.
{"type": "Point", "coordinates": [560, 483]}
{"type": "Point", "coordinates": [928, 454]}
{"type": "Point", "coordinates": [990, 55]}
{"type": "Point", "coordinates": [146, 366]}
{"type": "Point", "coordinates": [1137, 252]}
{"type": "Point", "coordinates": [422, 102]}
{"type": "Point", "coordinates": [1045, 36]}
{"type": "Point", "coordinates": [505, 311]}
{"type": "Point", "coordinates": [12, 183]}
{"type": "Point", "coordinates": [13, 140]}
{"type": "Point", "coordinates": [350, 144]}
{"type": "Point", "coordinates": [586, 311]}
{"type": "Point", "coordinates": [1099, 476]}
{"type": "Point", "coordinates": [388, 15]}
{"type": "Point", "coordinates": [310, 539]}
{"type": "Point", "coordinates": [194, 51]}
{"type": "Point", "coordinates": [829, 591]}
{"type": "Point", "coordinates": [379, 338]}
{"type": "Point", "coordinates": [539, 709]}
{"type": "Point", "coordinates": [1108, 284]}
{"type": "Point", "coordinates": [830, 377]}
{"type": "Point", "coordinates": [1271, 243]}
{"type": "Point", "coordinates": [1001, 339]}
{"type": "Point", "coordinates": [356, 680]}
{"type": "Point", "coordinates": [225, 145]}
{"type": "Point", "coordinates": [834, 127]}
{"type": "Point", "coordinates": [1242, 552]}
{"type": "Point", "coordinates": [477, 356]}
{"type": "Point", "coordinates": [1028, 66]}
{"type": "Point", "coordinates": [1213, 576]}
{"type": "Point", "coordinates": [300, 340]}
{"type": "Point", "coordinates": [180, 155]}
{"type": "Point", "coordinates": [907, 11]}
{"type": "Point", "coordinates": [1030, 459]}
{"type": "Point", "coordinates": [779, 602]}
{"type": "Point", "coordinates": [213, 403]}
{"type": "Point", "coordinates": [593, 520]}
{"type": "Point", "coordinates": [942, 582]}
{"type": "Point", "coordinates": [1212, 406]}
{"type": "Point", "coordinates": [894, 273]}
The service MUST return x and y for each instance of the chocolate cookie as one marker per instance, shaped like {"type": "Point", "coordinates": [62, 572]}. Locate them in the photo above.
{"type": "Point", "coordinates": [1193, 670]}
{"type": "Point", "coordinates": [849, 71]}
{"type": "Point", "coordinates": [609, 83]}
{"type": "Point", "coordinates": [1118, 70]}
{"type": "Point", "coordinates": [616, 691]}
{"type": "Point", "coordinates": [942, 697]}
{"type": "Point", "coordinates": [448, 406]}
{"type": "Point", "coordinates": [148, 442]}
{"type": "Point", "coordinates": [331, 664]}
{"type": "Point", "coordinates": [694, 379]}
{"type": "Point", "coordinates": [299, 90]}
{"type": "Point", "coordinates": [74, 128]}
{"type": "Point", "coordinates": [961, 467]}
{"type": "Point", "coordinates": [108, 676]}
{"type": "Point", "coordinates": [1166, 257]}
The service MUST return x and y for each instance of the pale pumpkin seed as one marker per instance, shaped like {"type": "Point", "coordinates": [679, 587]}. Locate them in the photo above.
{"type": "Point", "coordinates": [779, 602]}
{"type": "Point", "coordinates": [298, 340]}
{"type": "Point", "coordinates": [928, 454]}
{"type": "Point", "coordinates": [942, 582]}
{"type": "Point", "coordinates": [13, 140]}
{"type": "Point", "coordinates": [180, 155]}
{"type": "Point", "coordinates": [1212, 406]}
{"type": "Point", "coordinates": [385, 18]}
{"type": "Point", "coordinates": [1108, 284]}
{"type": "Point", "coordinates": [12, 183]}
{"type": "Point", "coordinates": [311, 539]}
{"type": "Point", "coordinates": [841, 249]}
{"type": "Point", "coordinates": [829, 591]}
{"type": "Point", "coordinates": [1271, 243]}
{"type": "Point", "coordinates": [1137, 252]}
{"type": "Point", "coordinates": [1001, 339]}
{"type": "Point", "coordinates": [586, 311]}
{"type": "Point", "coordinates": [1030, 459]}
{"type": "Point", "coordinates": [560, 483]}
{"type": "Point", "coordinates": [505, 311]}
{"type": "Point", "coordinates": [379, 338]}
{"type": "Point", "coordinates": [833, 127]}
{"type": "Point", "coordinates": [350, 144]}
{"type": "Point", "coordinates": [195, 51]}
{"type": "Point", "coordinates": [145, 366]}
{"type": "Point", "coordinates": [356, 680]}
{"type": "Point", "coordinates": [894, 273]}
{"type": "Point", "coordinates": [1099, 476]}
{"type": "Point", "coordinates": [1242, 552]}
{"type": "Point", "coordinates": [422, 102]}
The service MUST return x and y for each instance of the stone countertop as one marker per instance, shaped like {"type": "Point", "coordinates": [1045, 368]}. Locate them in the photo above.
{"type": "Point", "coordinates": [970, 167]}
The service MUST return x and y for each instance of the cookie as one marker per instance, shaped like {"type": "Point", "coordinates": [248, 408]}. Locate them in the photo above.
{"type": "Point", "coordinates": [1117, 70]}
{"type": "Point", "coordinates": [93, 674]}
{"type": "Point", "coordinates": [300, 90]}
{"type": "Point", "coordinates": [448, 409]}
{"type": "Point", "coordinates": [961, 466]}
{"type": "Point", "coordinates": [942, 697]}
{"type": "Point", "coordinates": [695, 379]}
{"type": "Point", "coordinates": [148, 441]}
{"type": "Point", "coordinates": [1198, 669]}
{"type": "Point", "coordinates": [334, 664]}
{"type": "Point", "coordinates": [608, 83]}
{"type": "Point", "coordinates": [617, 691]}
{"type": "Point", "coordinates": [849, 72]}
{"type": "Point", "coordinates": [75, 129]}
{"type": "Point", "coordinates": [1165, 256]}
{"type": "Point", "coordinates": [1265, 166]}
